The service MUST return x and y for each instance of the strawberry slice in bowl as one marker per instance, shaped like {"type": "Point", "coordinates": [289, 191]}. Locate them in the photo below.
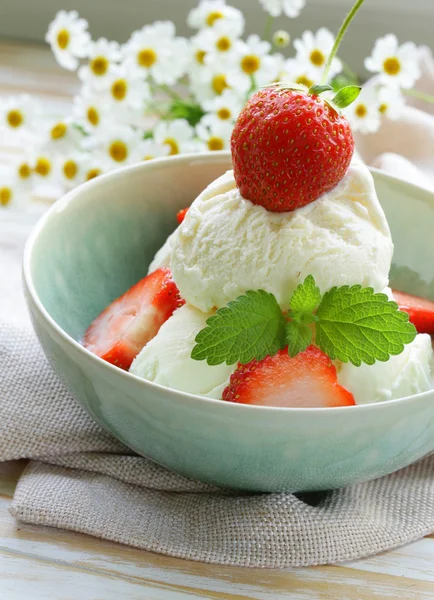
{"type": "Point", "coordinates": [307, 380]}
{"type": "Point", "coordinates": [420, 311]}
{"type": "Point", "coordinates": [120, 332]}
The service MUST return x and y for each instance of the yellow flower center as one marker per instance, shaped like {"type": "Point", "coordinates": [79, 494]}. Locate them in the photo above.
{"type": "Point", "coordinates": [119, 89]}
{"type": "Point", "coordinates": [146, 57]}
{"type": "Point", "coordinates": [382, 108]}
{"type": "Point", "coordinates": [58, 131]}
{"type": "Point", "coordinates": [118, 151]}
{"type": "Point", "coordinates": [200, 56]}
{"type": "Point", "coordinates": [250, 64]}
{"type": "Point", "coordinates": [24, 171]}
{"type": "Point", "coordinates": [215, 143]}
{"type": "Point", "coordinates": [63, 39]}
{"type": "Point", "coordinates": [70, 169]}
{"type": "Point", "coordinates": [93, 116]}
{"type": "Point", "coordinates": [223, 44]}
{"type": "Point", "coordinates": [219, 84]}
{"type": "Point", "coordinates": [99, 65]}
{"type": "Point", "coordinates": [213, 17]}
{"type": "Point", "coordinates": [304, 80]}
{"type": "Point", "coordinates": [15, 118]}
{"type": "Point", "coordinates": [224, 114]}
{"type": "Point", "coordinates": [173, 144]}
{"type": "Point", "coordinates": [43, 166]}
{"type": "Point", "coordinates": [317, 58]}
{"type": "Point", "coordinates": [5, 196]}
{"type": "Point", "coordinates": [361, 111]}
{"type": "Point", "coordinates": [392, 66]}
{"type": "Point", "coordinates": [148, 157]}
{"type": "Point", "coordinates": [92, 173]}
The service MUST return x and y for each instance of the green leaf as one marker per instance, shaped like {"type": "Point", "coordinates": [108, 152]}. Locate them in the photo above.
{"type": "Point", "coordinates": [316, 90]}
{"type": "Point", "coordinates": [298, 337]}
{"type": "Point", "coordinates": [346, 96]}
{"type": "Point", "coordinates": [305, 300]}
{"type": "Point", "coordinates": [356, 325]}
{"type": "Point", "coordinates": [252, 326]}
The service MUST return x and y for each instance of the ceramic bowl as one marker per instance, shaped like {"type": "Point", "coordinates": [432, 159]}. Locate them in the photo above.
{"type": "Point", "coordinates": [99, 239]}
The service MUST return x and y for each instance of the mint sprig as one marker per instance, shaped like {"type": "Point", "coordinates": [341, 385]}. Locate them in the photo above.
{"type": "Point", "coordinates": [351, 324]}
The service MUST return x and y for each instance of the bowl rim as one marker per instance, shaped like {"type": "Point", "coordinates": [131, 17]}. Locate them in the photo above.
{"type": "Point", "coordinates": [122, 172]}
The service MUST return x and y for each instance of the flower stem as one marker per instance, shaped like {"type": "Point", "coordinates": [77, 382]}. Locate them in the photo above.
{"type": "Point", "coordinates": [350, 16]}
{"type": "Point", "coordinates": [419, 95]}
{"type": "Point", "coordinates": [268, 28]}
{"type": "Point", "coordinates": [171, 93]}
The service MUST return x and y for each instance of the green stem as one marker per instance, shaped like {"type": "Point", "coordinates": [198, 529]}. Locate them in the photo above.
{"type": "Point", "coordinates": [350, 16]}
{"type": "Point", "coordinates": [171, 93]}
{"type": "Point", "coordinates": [419, 95]}
{"type": "Point", "coordinates": [268, 28]}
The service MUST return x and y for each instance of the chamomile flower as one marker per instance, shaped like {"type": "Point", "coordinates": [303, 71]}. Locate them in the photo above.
{"type": "Point", "coordinates": [219, 39]}
{"type": "Point", "coordinates": [44, 167]}
{"type": "Point", "coordinates": [391, 102]}
{"type": "Point", "coordinates": [298, 73]}
{"type": "Point", "coordinates": [208, 12]}
{"type": "Point", "coordinates": [254, 67]}
{"type": "Point", "coordinates": [396, 65]}
{"type": "Point", "coordinates": [62, 136]}
{"type": "Point", "coordinates": [19, 117]}
{"type": "Point", "coordinates": [198, 52]}
{"type": "Point", "coordinates": [94, 167]}
{"type": "Point", "coordinates": [213, 79]}
{"type": "Point", "coordinates": [364, 113]}
{"type": "Point", "coordinates": [14, 195]}
{"type": "Point", "coordinates": [72, 169]}
{"type": "Point", "coordinates": [68, 38]}
{"type": "Point", "coordinates": [150, 149]}
{"type": "Point", "coordinates": [154, 50]}
{"type": "Point", "coordinates": [177, 134]}
{"type": "Point", "coordinates": [291, 8]}
{"type": "Point", "coordinates": [214, 135]}
{"type": "Point", "coordinates": [91, 110]}
{"type": "Point", "coordinates": [313, 50]}
{"type": "Point", "coordinates": [223, 109]}
{"type": "Point", "coordinates": [102, 56]}
{"type": "Point", "coordinates": [126, 89]}
{"type": "Point", "coordinates": [119, 146]}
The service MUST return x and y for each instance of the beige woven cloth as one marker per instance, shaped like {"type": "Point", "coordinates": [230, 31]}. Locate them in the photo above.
{"type": "Point", "coordinates": [81, 479]}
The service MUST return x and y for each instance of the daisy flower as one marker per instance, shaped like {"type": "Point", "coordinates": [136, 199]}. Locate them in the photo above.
{"type": "Point", "coordinates": [313, 50]}
{"type": "Point", "coordinates": [177, 134]}
{"type": "Point", "coordinates": [391, 101]}
{"type": "Point", "coordinates": [213, 79]}
{"type": "Point", "coordinates": [72, 169]}
{"type": "Point", "coordinates": [297, 72]}
{"type": "Point", "coordinates": [215, 135]}
{"type": "Point", "coordinates": [198, 43]}
{"type": "Point", "coordinates": [102, 56]}
{"type": "Point", "coordinates": [44, 167]}
{"type": "Point", "coordinates": [91, 110]}
{"type": "Point", "coordinates": [126, 89]}
{"type": "Point", "coordinates": [94, 167]}
{"type": "Point", "coordinates": [219, 39]}
{"type": "Point", "coordinates": [223, 109]}
{"type": "Point", "coordinates": [62, 136]}
{"type": "Point", "coordinates": [14, 194]}
{"type": "Point", "coordinates": [254, 67]}
{"type": "Point", "coordinates": [119, 145]}
{"type": "Point", "coordinates": [364, 113]}
{"type": "Point", "coordinates": [19, 116]}
{"type": "Point", "coordinates": [150, 149]}
{"type": "Point", "coordinates": [68, 38]}
{"type": "Point", "coordinates": [396, 65]}
{"type": "Point", "coordinates": [291, 8]}
{"type": "Point", "coordinates": [208, 12]}
{"type": "Point", "coordinates": [154, 50]}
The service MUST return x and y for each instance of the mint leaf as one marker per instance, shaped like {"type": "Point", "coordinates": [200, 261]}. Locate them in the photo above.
{"type": "Point", "coordinates": [252, 326]}
{"type": "Point", "coordinates": [356, 325]}
{"type": "Point", "coordinates": [346, 96]}
{"type": "Point", "coordinates": [305, 300]}
{"type": "Point", "coordinates": [298, 337]}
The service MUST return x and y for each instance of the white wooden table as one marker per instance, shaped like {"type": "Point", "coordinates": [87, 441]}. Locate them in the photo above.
{"type": "Point", "coordinates": [49, 564]}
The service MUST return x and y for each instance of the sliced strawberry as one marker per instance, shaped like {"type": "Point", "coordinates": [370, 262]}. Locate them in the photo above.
{"type": "Point", "coordinates": [180, 216]}
{"type": "Point", "coordinates": [119, 333]}
{"type": "Point", "coordinates": [420, 311]}
{"type": "Point", "coordinates": [306, 381]}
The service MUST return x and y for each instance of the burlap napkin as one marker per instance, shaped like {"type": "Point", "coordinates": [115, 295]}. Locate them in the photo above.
{"type": "Point", "coordinates": [81, 479]}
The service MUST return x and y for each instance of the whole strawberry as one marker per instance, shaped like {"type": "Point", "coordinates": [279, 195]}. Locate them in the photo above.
{"type": "Point", "coordinates": [289, 147]}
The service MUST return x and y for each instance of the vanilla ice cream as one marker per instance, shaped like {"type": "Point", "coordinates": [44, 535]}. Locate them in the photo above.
{"type": "Point", "coordinates": [227, 245]}
{"type": "Point", "coordinates": [408, 373]}
{"type": "Point", "coordinates": [166, 358]}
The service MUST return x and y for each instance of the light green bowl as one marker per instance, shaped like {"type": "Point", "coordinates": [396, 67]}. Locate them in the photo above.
{"type": "Point", "coordinates": [99, 239]}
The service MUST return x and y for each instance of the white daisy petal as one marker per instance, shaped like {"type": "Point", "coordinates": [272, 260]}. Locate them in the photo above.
{"type": "Point", "coordinates": [208, 12]}
{"type": "Point", "coordinates": [291, 8]}
{"type": "Point", "coordinates": [177, 134]}
{"type": "Point", "coordinates": [313, 51]}
{"type": "Point", "coordinates": [15, 192]}
{"type": "Point", "coordinates": [364, 113]}
{"type": "Point", "coordinates": [68, 38]}
{"type": "Point", "coordinates": [103, 55]}
{"type": "Point", "coordinates": [397, 66]}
